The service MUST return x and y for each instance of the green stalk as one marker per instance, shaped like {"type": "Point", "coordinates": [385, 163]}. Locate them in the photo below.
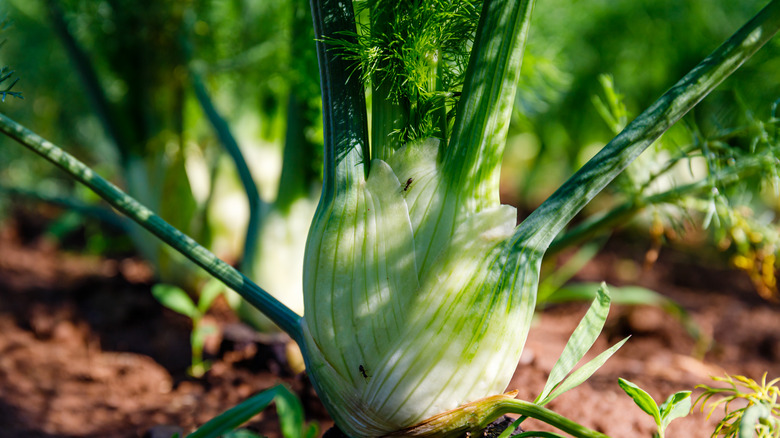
{"type": "Point", "coordinates": [456, 423]}
{"type": "Point", "coordinates": [533, 410]}
{"type": "Point", "coordinates": [440, 117]}
{"type": "Point", "coordinates": [386, 116]}
{"type": "Point", "coordinates": [297, 174]}
{"type": "Point", "coordinates": [285, 318]}
{"type": "Point", "coordinates": [623, 212]}
{"type": "Point", "coordinates": [476, 148]}
{"type": "Point", "coordinates": [541, 227]}
{"type": "Point", "coordinates": [344, 116]}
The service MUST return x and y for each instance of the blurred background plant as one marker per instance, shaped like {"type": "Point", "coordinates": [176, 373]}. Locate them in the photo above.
{"type": "Point", "coordinates": [196, 110]}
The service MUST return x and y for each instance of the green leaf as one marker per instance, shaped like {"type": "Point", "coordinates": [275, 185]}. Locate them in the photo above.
{"type": "Point", "coordinates": [580, 341]}
{"type": "Point", "coordinates": [290, 412]}
{"type": "Point", "coordinates": [472, 159]}
{"type": "Point", "coordinates": [629, 295]}
{"type": "Point", "coordinates": [642, 399]}
{"type": "Point", "coordinates": [176, 299]}
{"type": "Point", "coordinates": [584, 372]}
{"type": "Point", "coordinates": [236, 416]}
{"type": "Point", "coordinates": [678, 405]}
{"type": "Point", "coordinates": [209, 293]}
{"type": "Point", "coordinates": [747, 426]}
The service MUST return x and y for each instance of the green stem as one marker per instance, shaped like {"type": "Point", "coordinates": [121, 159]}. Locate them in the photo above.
{"type": "Point", "coordinates": [347, 154]}
{"type": "Point", "coordinates": [282, 316]}
{"type": "Point", "coordinates": [386, 116]}
{"type": "Point", "coordinates": [623, 212]}
{"type": "Point", "coordinates": [440, 116]}
{"type": "Point", "coordinates": [541, 227]}
{"type": "Point", "coordinates": [386, 119]}
{"type": "Point", "coordinates": [475, 150]}
{"type": "Point", "coordinates": [297, 174]}
{"type": "Point", "coordinates": [228, 141]}
{"type": "Point", "coordinates": [541, 413]}
{"type": "Point", "coordinates": [538, 434]}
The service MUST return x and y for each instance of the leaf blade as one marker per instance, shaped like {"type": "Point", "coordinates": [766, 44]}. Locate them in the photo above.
{"type": "Point", "coordinates": [174, 298]}
{"type": "Point", "coordinates": [237, 415]}
{"type": "Point", "coordinates": [678, 405]}
{"type": "Point", "coordinates": [641, 398]}
{"type": "Point", "coordinates": [583, 337]}
{"type": "Point", "coordinates": [584, 372]}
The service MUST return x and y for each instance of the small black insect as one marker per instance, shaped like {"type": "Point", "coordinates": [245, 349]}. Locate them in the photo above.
{"type": "Point", "coordinates": [408, 183]}
{"type": "Point", "coordinates": [363, 372]}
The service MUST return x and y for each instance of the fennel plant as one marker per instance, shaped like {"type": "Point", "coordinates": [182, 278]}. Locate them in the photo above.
{"type": "Point", "coordinates": [418, 286]}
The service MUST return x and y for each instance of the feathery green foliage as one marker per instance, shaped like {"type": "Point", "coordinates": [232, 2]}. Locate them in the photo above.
{"type": "Point", "coordinates": [414, 54]}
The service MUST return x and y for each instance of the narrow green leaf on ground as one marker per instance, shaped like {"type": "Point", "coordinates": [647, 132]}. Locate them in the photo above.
{"type": "Point", "coordinates": [238, 415]}
{"type": "Point", "coordinates": [584, 372]}
{"type": "Point", "coordinates": [580, 341]}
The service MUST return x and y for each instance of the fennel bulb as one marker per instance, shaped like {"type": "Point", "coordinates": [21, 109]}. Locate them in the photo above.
{"type": "Point", "coordinates": [403, 320]}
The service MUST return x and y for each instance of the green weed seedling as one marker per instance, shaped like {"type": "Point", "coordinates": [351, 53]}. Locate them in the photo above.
{"type": "Point", "coordinates": [288, 408]}
{"type": "Point", "coordinates": [759, 414]}
{"type": "Point", "coordinates": [563, 377]}
{"type": "Point", "coordinates": [678, 405]}
{"type": "Point", "coordinates": [176, 299]}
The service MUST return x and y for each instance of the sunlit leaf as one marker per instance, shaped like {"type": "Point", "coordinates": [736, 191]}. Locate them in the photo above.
{"type": "Point", "coordinates": [584, 372]}
{"type": "Point", "coordinates": [641, 398]}
{"type": "Point", "coordinates": [678, 405]}
{"type": "Point", "coordinates": [580, 341]}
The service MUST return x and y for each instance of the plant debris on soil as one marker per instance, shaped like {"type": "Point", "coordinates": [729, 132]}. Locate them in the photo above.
{"type": "Point", "coordinates": [86, 351]}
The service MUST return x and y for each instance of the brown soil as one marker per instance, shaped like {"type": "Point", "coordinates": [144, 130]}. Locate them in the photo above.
{"type": "Point", "coordinates": [85, 351]}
